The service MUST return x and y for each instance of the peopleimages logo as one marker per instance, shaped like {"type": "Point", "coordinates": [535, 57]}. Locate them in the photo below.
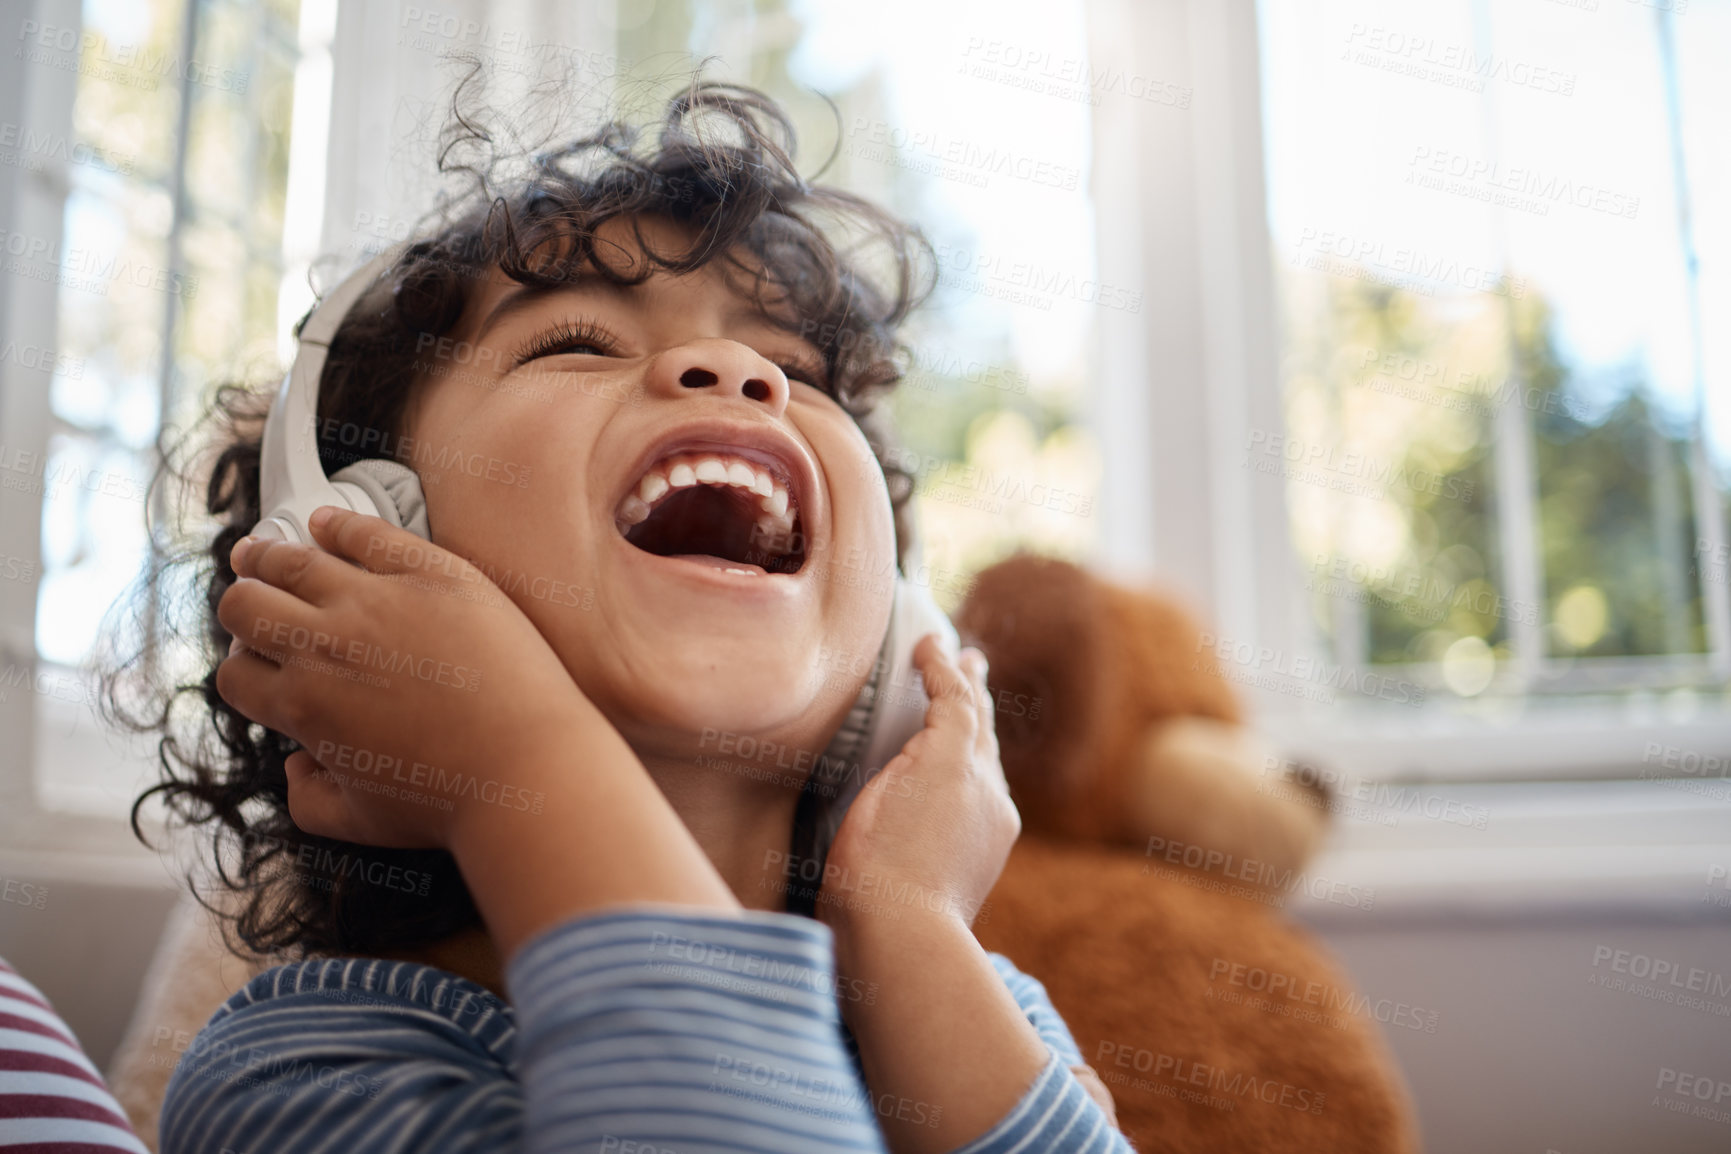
{"type": "Point", "coordinates": [24, 147]}
{"type": "Point", "coordinates": [1345, 470]}
{"type": "Point", "coordinates": [1661, 980]}
{"type": "Point", "coordinates": [1455, 65]}
{"type": "Point", "coordinates": [1276, 992]}
{"type": "Point", "coordinates": [1266, 882]}
{"type": "Point", "coordinates": [1683, 1092]}
{"type": "Point", "coordinates": [1718, 875]}
{"type": "Point", "coordinates": [43, 474]}
{"type": "Point", "coordinates": [1716, 559]}
{"type": "Point", "coordinates": [1382, 801]}
{"type": "Point", "coordinates": [1217, 1087]}
{"type": "Point", "coordinates": [1465, 390]}
{"type": "Point", "coordinates": [1260, 666]}
{"type": "Point", "coordinates": [959, 156]}
{"type": "Point", "coordinates": [86, 270]}
{"type": "Point", "coordinates": [1065, 77]}
{"type": "Point", "coordinates": [1024, 282]}
{"type": "Point", "coordinates": [1513, 186]}
{"type": "Point", "coordinates": [506, 49]}
{"type": "Point", "coordinates": [42, 359]}
{"type": "Point", "coordinates": [70, 49]}
{"type": "Point", "coordinates": [1411, 268]}
{"type": "Point", "coordinates": [1419, 592]}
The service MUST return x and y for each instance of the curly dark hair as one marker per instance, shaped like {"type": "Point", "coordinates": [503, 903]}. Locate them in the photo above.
{"type": "Point", "coordinates": [722, 165]}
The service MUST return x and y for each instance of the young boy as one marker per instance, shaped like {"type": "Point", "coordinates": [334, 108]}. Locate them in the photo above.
{"type": "Point", "coordinates": [657, 389]}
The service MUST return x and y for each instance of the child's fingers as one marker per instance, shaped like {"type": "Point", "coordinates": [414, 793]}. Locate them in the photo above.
{"type": "Point", "coordinates": [316, 801]}
{"type": "Point", "coordinates": [253, 684]}
{"type": "Point", "coordinates": [872, 795]}
{"type": "Point", "coordinates": [309, 573]}
{"type": "Point", "coordinates": [986, 741]}
{"type": "Point", "coordinates": [320, 803]}
{"type": "Point", "coordinates": [951, 693]}
{"type": "Point", "coordinates": [379, 546]}
{"type": "Point", "coordinates": [265, 618]}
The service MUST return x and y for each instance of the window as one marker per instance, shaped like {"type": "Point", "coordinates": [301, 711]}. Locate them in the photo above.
{"type": "Point", "coordinates": [1500, 232]}
{"type": "Point", "coordinates": [158, 134]}
{"type": "Point", "coordinates": [1435, 575]}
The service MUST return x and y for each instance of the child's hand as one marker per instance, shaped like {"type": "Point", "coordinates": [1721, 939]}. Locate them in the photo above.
{"type": "Point", "coordinates": [918, 852]}
{"type": "Point", "coordinates": [414, 686]}
{"type": "Point", "coordinates": [932, 830]}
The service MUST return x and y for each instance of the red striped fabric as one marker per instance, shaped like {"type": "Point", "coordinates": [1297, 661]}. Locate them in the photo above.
{"type": "Point", "coordinates": [52, 1100]}
{"type": "Point", "coordinates": [54, 1106]}
{"type": "Point", "coordinates": [10, 1021]}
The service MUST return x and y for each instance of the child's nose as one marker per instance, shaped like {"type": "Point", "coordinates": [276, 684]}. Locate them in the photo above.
{"type": "Point", "coordinates": [719, 367]}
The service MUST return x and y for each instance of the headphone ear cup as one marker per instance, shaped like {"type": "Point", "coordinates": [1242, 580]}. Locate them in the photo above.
{"type": "Point", "coordinates": [394, 490]}
{"type": "Point", "coordinates": [902, 701]}
{"type": "Point", "coordinates": [889, 711]}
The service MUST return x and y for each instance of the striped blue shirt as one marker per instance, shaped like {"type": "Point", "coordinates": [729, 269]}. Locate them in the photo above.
{"type": "Point", "coordinates": [630, 1032]}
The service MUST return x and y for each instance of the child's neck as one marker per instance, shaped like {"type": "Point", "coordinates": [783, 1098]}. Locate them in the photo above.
{"type": "Point", "coordinates": [740, 825]}
{"type": "Point", "coordinates": [743, 826]}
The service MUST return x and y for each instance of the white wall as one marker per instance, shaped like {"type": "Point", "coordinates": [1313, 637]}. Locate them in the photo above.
{"type": "Point", "coordinates": [1530, 1057]}
{"type": "Point", "coordinates": [87, 948]}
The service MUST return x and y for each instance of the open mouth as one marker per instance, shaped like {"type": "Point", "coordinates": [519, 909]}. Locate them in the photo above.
{"type": "Point", "coordinates": [718, 505]}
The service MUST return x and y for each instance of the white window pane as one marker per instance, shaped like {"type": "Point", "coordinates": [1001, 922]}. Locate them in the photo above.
{"type": "Point", "coordinates": [93, 539]}
{"type": "Point", "coordinates": [82, 764]}
{"type": "Point", "coordinates": [1484, 288]}
{"type": "Point", "coordinates": [113, 326]}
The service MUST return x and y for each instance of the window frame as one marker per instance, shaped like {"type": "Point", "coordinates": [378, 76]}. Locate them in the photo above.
{"type": "Point", "coordinates": [35, 202]}
{"type": "Point", "coordinates": [1181, 202]}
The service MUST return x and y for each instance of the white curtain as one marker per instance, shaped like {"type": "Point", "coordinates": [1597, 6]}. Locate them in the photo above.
{"type": "Point", "coordinates": [378, 80]}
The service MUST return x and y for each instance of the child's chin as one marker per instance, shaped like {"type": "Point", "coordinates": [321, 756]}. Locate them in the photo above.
{"type": "Point", "coordinates": [701, 690]}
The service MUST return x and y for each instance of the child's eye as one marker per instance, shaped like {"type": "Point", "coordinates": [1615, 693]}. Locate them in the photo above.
{"type": "Point", "coordinates": [805, 372]}
{"type": "Point", "coordinates": [569, 337]}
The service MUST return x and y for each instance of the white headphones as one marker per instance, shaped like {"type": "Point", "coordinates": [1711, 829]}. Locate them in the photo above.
{"type": "Point", "coordinates": [890, 708]}
{"type": "Point", "coordinates": [292, 482]}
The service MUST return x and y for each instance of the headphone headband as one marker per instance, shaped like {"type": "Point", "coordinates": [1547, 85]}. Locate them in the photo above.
{"type": "Point", "coordinates": [292, 482]}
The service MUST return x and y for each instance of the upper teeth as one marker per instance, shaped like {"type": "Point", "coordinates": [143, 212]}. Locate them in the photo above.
{"type": "Point", "coordinates": [682, 470]}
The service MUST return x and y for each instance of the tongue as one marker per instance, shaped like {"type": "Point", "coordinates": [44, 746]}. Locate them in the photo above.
{"type": "Point", "coordinates": [715, 562]}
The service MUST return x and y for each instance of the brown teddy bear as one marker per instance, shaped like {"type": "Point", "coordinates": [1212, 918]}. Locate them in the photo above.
{"type": "Point", "coordinates": [1156, 845]}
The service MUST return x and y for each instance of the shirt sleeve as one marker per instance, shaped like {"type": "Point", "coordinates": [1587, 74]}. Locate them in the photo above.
{"type": "Point", "coordinates": [635, 1030]}
{"type": "Point", "coordinates": [51, 1097]}
{"type": "Point", "coordinates": [1031, 995]}
{"type": "Point", "coordinates": [1056, 1115]}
